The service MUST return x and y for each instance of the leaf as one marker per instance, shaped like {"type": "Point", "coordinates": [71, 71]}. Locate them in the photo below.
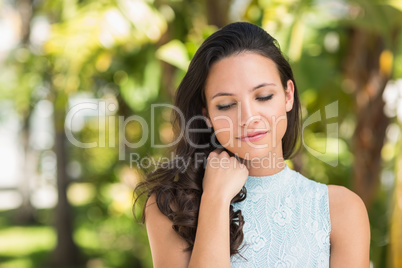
{"type": "Point", "coordinates": [174, 53]}
{"type": "Point", "coordinates": [395, 3]}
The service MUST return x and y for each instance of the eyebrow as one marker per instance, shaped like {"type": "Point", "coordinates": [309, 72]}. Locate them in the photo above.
{"type": "Point", "coordinates": [251, 90]}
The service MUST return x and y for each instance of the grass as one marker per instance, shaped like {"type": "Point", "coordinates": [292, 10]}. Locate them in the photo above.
{"type": "Point", "coordinates": [107, 242]}
{"type": "Point", "coordinates": [104, 230]}
{"type": "Point", "coordinates": [25, 246]}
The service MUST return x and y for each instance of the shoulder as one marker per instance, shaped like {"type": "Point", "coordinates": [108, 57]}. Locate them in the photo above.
{"type": "Point", "coordinates": [346, 208]}
{"type": "Point", "coordinates": [345, 204]}
{"type": "Point", "coordinates": [166, 245]}
{"type": "Point", "coordinates": [156, 222]}
{"type": "Point", "coordinates": [154, 218]}
{"type": "Point", "coordinates": [350, 228]}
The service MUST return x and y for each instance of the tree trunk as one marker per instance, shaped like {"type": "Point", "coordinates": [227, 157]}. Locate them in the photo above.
{"type": "Point", "coordinates": [367, 80]}
{"type": "Point", "coordinates": [217, 12]}
{"type": "Point", "coordinates": [25, 214]}
{"type": "Point", "coordinates": [66, 252]}
{"type": "Point", "coordinates": [25, 8]}
{"type": "Point", "coordinates": [169, 71]}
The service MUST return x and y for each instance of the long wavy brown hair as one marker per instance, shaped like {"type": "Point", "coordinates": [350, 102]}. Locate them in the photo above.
{"type": "Point", "coordinates": [177, 188]}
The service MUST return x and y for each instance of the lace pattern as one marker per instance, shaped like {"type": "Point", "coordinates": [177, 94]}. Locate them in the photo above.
{"type": "Point", "coordinates": [287, 222]}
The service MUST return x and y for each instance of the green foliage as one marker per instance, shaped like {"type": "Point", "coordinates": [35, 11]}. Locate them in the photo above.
{"type": "Point", "coordinates": [118, 52]}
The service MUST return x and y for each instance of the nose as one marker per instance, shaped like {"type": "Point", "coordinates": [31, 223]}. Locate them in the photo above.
{"type": "Point", "coordinates": [247, 116]}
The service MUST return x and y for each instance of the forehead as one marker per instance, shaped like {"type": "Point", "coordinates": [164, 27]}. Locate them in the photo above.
{"type": "Point", "coordinates": [244, 70]}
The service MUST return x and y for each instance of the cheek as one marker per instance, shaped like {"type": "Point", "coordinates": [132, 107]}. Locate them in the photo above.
{"type": "Point", "coordinates": [279, 122]}
{"type": "Point", "coordinates": [223, 128]}
{"type": "Point", "coordinates": [280, 127]}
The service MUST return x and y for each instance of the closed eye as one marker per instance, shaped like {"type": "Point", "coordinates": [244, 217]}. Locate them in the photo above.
{"type": "Point", "coordinates": [226, 107]}
{"type": "Point", "coordinates": [265, 98]}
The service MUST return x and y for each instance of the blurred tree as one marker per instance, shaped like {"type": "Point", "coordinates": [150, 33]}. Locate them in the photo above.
{"type": "Point", "coordinates": [373, 41]}
{"type": "Point", "coordinates": [217, 12]}
{"type": "Point", "coordinates": [396, 217]}
{"type": "Point", "coordinates": [66, 252]}
{"type": "Point", "coordinates": [26, 212]}
{"type": "Point", "coordinates": [100, 40]}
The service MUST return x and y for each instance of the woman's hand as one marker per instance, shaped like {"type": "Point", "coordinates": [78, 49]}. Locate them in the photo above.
{"type": "Point", "coordinates": [224, 175]}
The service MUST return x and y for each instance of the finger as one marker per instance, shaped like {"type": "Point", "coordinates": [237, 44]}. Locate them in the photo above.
{"type": "Point", "coordinates": [213, 153]}
{"type": "Point", "coordinates": [224, 154]}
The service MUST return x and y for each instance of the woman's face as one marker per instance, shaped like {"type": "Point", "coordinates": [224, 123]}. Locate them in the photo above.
{"type": "Point", "coordinates": [244, 97]}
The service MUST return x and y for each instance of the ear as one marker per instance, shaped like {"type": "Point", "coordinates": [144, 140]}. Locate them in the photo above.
{"type": "Point", "coordinates": [206, 117]}
{"type": "Point", "coordinates": [289, 95]}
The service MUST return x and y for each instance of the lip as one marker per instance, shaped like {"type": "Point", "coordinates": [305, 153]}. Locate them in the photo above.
{"type": "Point", "coordinates": [254, 136]}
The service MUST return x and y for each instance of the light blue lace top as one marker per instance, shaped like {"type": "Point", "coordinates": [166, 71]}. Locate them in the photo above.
{"type": "Point", "coordinates": [287, 222]}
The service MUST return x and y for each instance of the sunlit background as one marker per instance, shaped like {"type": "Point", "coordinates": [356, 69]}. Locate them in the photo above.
{"type": "Point", "coordinates": [73, 72]}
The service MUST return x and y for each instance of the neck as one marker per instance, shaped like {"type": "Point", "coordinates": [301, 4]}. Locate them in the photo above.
{"type": "Point", "coordinates": [266, 165]}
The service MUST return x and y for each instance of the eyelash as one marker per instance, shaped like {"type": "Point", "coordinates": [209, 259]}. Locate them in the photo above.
{"type": "Point", "coordinates": [226, 107]}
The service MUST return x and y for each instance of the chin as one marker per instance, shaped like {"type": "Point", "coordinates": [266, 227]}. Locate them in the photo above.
{"type": "Point", "coordinates": [251, 153]}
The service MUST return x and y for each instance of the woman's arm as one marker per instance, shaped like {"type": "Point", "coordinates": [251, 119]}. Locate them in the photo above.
{"type": "Point", "coordinates": [223, 179]}
{"type": "Point", "coordinates": [211, 247]}
{"type": "Point", "coordinates": [212, 240]}
{"type": "Point", "coordinates": [350, 229]}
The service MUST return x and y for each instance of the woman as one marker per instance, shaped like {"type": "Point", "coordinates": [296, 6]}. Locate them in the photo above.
{"type": "Point", "coordinates": [245, 207]}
